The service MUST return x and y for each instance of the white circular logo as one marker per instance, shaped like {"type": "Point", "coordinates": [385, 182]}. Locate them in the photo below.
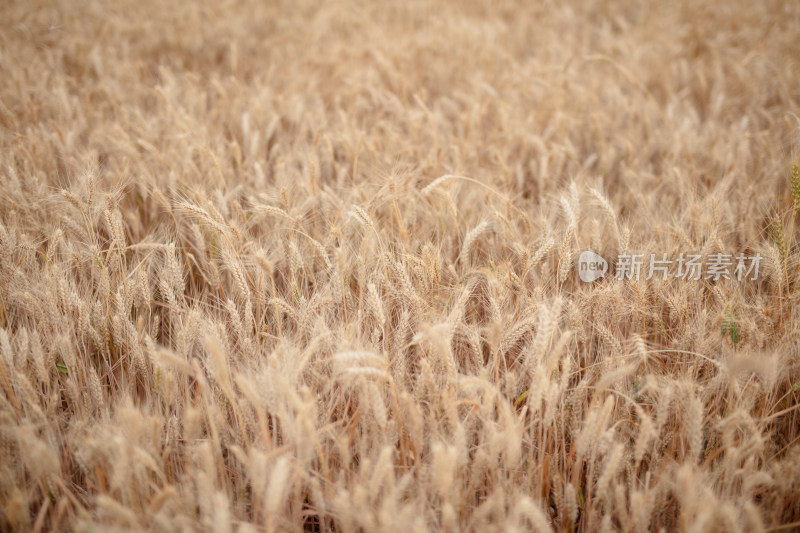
{"type": "Point", "coordinates": [591, 266]}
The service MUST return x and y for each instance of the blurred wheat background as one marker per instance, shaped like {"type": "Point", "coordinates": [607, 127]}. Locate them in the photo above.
{"type": "Point", "coordinates": [293, 266]}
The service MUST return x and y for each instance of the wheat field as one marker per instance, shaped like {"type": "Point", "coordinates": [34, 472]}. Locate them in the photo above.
{"type": "Point", "coordinates": [289, 266]}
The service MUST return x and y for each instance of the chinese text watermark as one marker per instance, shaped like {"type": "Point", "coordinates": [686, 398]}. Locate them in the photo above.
{"type": "Point", "coordinates": [689, 267]}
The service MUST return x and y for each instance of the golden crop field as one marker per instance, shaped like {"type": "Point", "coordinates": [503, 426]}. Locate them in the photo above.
{"type": "Point", "coordinates": [414, 266]}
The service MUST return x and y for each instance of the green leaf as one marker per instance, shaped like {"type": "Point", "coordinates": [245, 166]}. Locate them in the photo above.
{"type": "Point", "coordinates": [61, 367]}
{"type": "Point", "coordinates": [734, 332]}
{"type": "Point", "coordinates": [521, 397]}
{"type": "Point", "coordinates": [729, 325]}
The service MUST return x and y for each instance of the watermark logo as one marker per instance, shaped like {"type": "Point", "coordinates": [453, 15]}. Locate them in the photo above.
{"type": "Point", "coordinates": [692, 267]}
{"type": "Point", "coordinates": [591, 266]}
